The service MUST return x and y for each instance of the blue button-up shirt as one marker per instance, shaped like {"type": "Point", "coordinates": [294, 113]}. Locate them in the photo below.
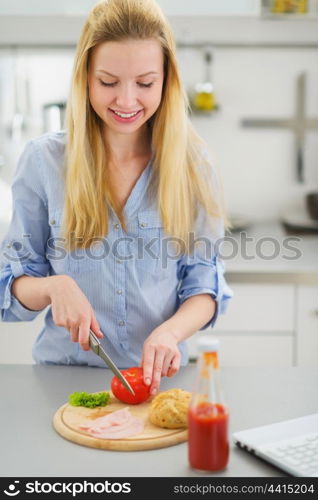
{"type": "Point", "coordinates": [133, 279]}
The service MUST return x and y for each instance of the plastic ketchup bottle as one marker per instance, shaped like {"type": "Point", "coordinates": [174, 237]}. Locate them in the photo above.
{"type": "Point", "coordinates": [208, 444]}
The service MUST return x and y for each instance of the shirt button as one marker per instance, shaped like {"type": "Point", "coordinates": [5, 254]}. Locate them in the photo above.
{"type": "Point", "coordinates": [52, 222]}
{"type": "Point", "coordinates": [9, 245]}
{"type": "Point", "coordinates": [119, 292]}
{"type": "Point", "coordinates": [121, 323]}
{"type": "Point", "coordinates": [116, 226]}
{"type": "Point", "coordinates": [143, 224]}
{"type": "Point", "coordinates": [118, 261]}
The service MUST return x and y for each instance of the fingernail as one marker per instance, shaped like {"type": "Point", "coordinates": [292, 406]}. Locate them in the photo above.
{"type": "Point", "coordinates": [147, 381]}
{"type": "Point", "coordinates": [154, 391]}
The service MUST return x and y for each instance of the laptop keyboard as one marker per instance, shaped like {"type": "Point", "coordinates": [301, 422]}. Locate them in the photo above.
{"type": "Point", "coordinates": [299, 454]}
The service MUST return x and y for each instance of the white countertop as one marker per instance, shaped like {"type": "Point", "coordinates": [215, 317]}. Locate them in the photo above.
{"type": "Point", "coordinates": [255, 396]}
{"type": "Point", "coordinates": [265, 250]}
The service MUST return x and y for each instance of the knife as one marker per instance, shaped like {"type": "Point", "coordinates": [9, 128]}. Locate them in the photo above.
{"type": "Point", "coordinates": [98, 349]}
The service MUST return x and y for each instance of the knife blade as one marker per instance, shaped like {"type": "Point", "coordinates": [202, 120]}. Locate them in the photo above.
{"type": "Point", "coordinates": [98, 349]}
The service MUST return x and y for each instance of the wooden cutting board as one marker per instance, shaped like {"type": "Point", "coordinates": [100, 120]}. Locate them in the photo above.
{"type": "Point", "coordinates": [67, 419]}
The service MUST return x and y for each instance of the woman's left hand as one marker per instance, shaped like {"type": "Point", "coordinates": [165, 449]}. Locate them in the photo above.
{"type": "Point", "coordinates": [160, 357]}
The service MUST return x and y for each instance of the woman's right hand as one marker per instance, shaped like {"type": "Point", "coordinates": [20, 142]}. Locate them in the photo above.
{"type": "Point", "coordinates": [72, 310]}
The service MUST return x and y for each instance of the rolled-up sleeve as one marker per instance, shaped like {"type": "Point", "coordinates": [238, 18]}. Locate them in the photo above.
{"type": "Point", "coordinates": [203, 270]}
{"type": "Point", "coordinates": [23, 250]}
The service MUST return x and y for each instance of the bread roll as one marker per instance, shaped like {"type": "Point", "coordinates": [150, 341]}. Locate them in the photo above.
{"type": "Point", "coordinates": [169, 409]}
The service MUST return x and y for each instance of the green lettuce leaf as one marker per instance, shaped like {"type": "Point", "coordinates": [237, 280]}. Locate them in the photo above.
{"type": "Point", "coordinates": [89, 400]}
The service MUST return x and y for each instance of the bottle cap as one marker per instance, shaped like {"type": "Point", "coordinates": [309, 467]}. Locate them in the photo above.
{"type": "Point", "coordinates": [208, 343]}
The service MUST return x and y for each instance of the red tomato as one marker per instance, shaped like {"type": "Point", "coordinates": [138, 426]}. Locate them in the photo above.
{"type": "Point", "coordinates": [134, 376]}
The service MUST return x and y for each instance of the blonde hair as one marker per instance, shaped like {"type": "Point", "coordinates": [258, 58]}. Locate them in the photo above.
{"type": "Point", "coordinates": [182, 177]}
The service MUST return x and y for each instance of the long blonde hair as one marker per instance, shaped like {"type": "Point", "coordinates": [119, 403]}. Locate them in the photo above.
{"type": "Point", "coordinates": [182, 176]}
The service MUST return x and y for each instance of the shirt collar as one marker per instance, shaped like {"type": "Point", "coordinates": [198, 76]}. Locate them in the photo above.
{"type": "Point", "coordinates": [139, 190]}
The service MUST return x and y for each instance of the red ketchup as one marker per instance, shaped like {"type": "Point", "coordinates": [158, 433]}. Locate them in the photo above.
{"type": "Point", "coordinates": [208, 437]}
{"type": "Point", "coordinates": [208, 444]}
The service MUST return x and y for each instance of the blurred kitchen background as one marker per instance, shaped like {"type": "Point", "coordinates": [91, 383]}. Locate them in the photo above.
{"type": "Point", "coordinates": [250, 68]}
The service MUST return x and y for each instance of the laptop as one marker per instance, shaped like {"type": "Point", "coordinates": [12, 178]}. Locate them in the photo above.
{"type": "Point", "coordinates": [291, 445]}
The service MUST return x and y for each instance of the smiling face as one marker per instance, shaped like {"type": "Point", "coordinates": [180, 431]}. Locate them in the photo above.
{"type": "Point", "coordinates": [125, 83]}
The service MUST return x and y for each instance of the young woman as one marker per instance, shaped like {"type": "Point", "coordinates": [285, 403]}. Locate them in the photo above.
{"type": "Point", "coordinates": [104, 213]}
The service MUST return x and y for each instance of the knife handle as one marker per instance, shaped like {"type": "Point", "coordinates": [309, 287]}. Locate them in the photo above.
{"type": "Point", "coordinates": [94, 341]}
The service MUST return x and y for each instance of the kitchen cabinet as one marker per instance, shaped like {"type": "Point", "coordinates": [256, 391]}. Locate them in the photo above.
{"type": "Point", "coordinates": [256, 349]}
{"type": "Point", "coordinates": [17, 339]}
{"type": "Point", "coordinates": [259, 307]}
{"type": "Point", "coordinates": [258, 328]}
{"type": "Point", "coordinates": [267, 324]}
{"type": "Point", "coordinates": [273, 316]}
{"type": "Point", "coordinates": [307, 325]}
{"type": "Point", "coordinates": [175, 8]}
{"type": "Point", "coordinates": [210, 7]}
{"type": "Point", "coordinates": [47, 8]}
{"type": "Point", "coordinates": [227, 24]}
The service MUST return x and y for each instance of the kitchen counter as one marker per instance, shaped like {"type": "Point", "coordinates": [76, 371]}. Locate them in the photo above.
{"type": "Point", "coordinates": [266, 253]}
{"type": "Point", "coordinates": [30, 395]}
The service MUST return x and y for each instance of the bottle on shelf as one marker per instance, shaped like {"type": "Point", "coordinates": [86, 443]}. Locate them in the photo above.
{"type": "Point", "coordinates": [208, 444]}
{"type": "Point", "coordinates": [204, 96]}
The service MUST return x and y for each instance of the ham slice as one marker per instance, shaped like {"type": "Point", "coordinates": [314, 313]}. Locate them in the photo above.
{"type": "Point", "coordinates": [117, 425]}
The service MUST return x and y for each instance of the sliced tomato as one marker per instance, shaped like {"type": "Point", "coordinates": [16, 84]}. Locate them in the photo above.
{"type": "Point", "coordinates": [134, 376]}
